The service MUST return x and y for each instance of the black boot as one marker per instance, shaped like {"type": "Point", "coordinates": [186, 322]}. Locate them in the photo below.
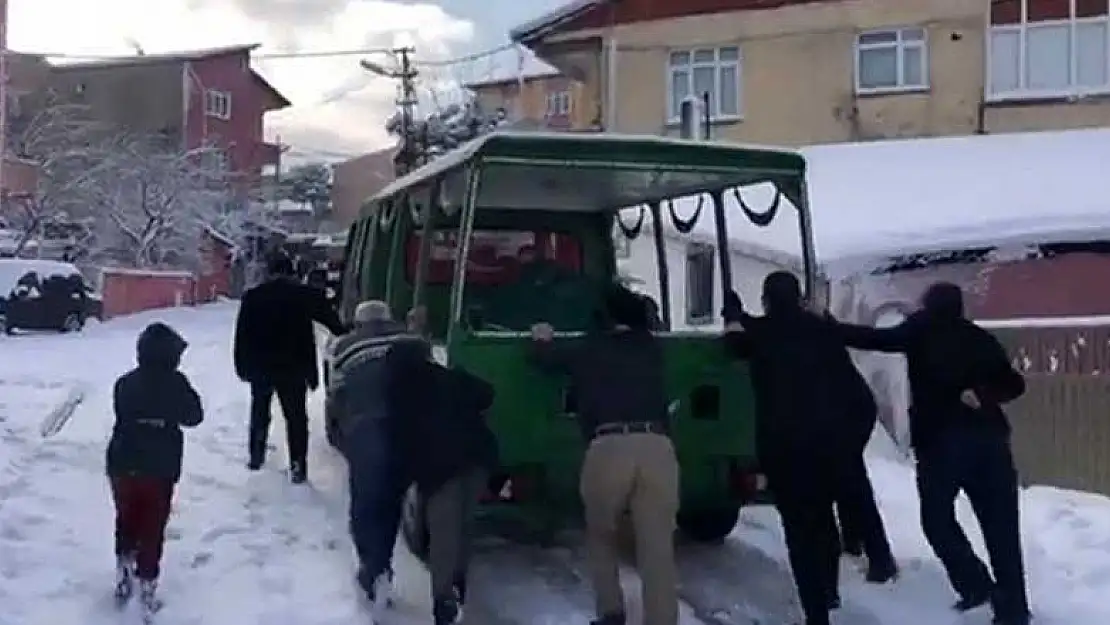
{"type": "Point", "coordinates": [610, 619]}
{"type": "Point", "coordinates": [881, 573]}
{"type": "Point", "coordinates": [970, 602]}
{"type": "Point", "coordinates": [446, 612]}
{"type": "Point", "coordinates": [297, 472]}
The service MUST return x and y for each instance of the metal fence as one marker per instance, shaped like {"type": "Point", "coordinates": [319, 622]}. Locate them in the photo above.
{"type": "Point", "coordinates": [1062, 424]}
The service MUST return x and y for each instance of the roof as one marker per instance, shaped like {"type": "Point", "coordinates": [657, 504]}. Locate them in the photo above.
{"type": "Point", "coordinates": [279, 98]}
{"type": "Point", "coordinates": [510, 79]}
{"type": "Point", "coordinates": [875, 201]}
{"type": "Point", "coordinates": [595, 171]}
{"type": "Point", "coordinates": [165, 57]}
{"type": "Point", "coordinates": [547, 22]}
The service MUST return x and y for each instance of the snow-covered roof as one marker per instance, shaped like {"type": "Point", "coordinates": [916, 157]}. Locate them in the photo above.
{"type": "Point", "coordinates": [544, 23]}
{"type": "Point", "coordinates": [457, 157]}
{"type": "Point", "coordinates": [877, 200]}
{"type": "Point", "coordinates": [12, 269]}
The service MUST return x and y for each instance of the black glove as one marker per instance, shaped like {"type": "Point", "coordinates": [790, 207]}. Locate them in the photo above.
{"type": "Point", "coordinates": [733, 309]}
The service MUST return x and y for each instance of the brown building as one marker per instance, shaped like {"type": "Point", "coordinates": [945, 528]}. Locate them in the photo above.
{"type": "Point", "coordinates": [200, 97]}
{"type": "Point", "coordinates": [548, 101]}
{"type": "Point", "coordinates": [27, 75]}
{"type": "Point", "coordinates": [355, 180]}
{"type": "Point", "coordinates": [801, 72]}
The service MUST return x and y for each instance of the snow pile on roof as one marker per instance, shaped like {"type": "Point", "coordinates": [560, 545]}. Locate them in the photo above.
{"type": "Point", "coordinates": [876, 200]}
{"type": "Point", "coordinates": [12, 269]}
{"type": "Point", "coordinates": [932, 195]}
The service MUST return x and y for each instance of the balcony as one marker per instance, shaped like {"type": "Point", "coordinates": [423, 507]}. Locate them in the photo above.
{"type": "Point", "coordinates": [20, 177]}
{"type": "Point", "coordinates": [266, 154]}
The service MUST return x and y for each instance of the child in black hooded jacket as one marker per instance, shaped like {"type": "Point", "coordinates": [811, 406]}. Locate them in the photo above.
{"type": "Point", "coordinates": [152, 402]}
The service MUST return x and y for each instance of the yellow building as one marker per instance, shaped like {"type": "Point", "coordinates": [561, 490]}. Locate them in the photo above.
{"type": "Point", "coordinates": [799, 72]}
{"type": "Point", "coordinates": [549, 101]}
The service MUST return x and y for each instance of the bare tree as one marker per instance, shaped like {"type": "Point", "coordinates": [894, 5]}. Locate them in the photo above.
{"type": "Point", "coordinates": [66, 146]}
{"type": "Point", "coordinates": [157, 204]}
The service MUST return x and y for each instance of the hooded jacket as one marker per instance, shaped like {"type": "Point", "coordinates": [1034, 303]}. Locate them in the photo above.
{"type": "Point", "coordinates": [152, 402]}
{"type": "Point", "coordinates": [946, 354]}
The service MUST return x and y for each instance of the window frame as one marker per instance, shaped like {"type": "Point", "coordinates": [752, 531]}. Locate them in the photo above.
{"type": "Point", "coordinates": [674, 117]}
{"type": "Point", "coordinates": [899, 45]}
{"type": "Point", "coordinates": [217, 104]}
{"type": "Point", "coordinates": [1022, 28]}
{"type": "Point", "coordinates": [558, 104]}
{"type": "Point", "coordinates": [695, 253]}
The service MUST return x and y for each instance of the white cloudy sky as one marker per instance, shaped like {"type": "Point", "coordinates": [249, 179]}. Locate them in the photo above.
{"type": "Point", "coordinates": [338, 108]}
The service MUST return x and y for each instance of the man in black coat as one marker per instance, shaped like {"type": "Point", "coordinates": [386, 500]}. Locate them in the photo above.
{"type": "Point", "coordinates": [860, 523]}
{"type": "Point", "coordinates": [960, 376]}
{"type": "Point", "coordinates": [800, 372]}
{"type": "Point", "coordinates": [450, 452]}
{"type": "Point", "coordinates": [275, 352]}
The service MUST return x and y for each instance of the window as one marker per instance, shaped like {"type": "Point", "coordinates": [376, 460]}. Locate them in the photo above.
{"type": "Point", "coordinates": [558, 104]}
{"type": "Point", "coordinates": [699, 284]}
{"type": "Point", "coordinates": [496, 257]}
{"type": "Point", "coordinates": [1047, 48]}
{"type": "Point", "coordinates": [715, 71]}
{"type": "Point", "coordinates": [891, 60]}
{"type": "Point", "coordinates": [217, 104]}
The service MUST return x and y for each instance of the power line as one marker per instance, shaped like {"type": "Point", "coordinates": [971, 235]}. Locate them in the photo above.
{"type": "Point", "coordinates": [278, 56]}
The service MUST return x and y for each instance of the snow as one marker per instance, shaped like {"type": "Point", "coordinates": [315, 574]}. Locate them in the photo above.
{"type": "Point", "coordinates": [160, 273]}
{"type": "Point", "coordinates": [874, 200]}
{"type": "Point", "coordinates": [12, 269]}
{"type": "Point", "coordinates": [247, 549]}
{"type": "Point", "coordinates": [1047, 322]}
{"type": "Point", "coordinates": [892, 197]}
{"type": "Point", "coordinates": [1066, 539]}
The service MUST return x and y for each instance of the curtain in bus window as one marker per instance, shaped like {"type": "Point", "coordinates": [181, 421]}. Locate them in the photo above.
{"type": "Point", "coordinates": [496, 257]}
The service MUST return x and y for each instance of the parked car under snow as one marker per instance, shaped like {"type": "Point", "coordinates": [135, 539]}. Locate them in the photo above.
{"type": "Point", "coordinates": [45, 295]}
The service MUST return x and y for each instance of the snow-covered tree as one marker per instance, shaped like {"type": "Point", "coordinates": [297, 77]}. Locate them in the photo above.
{"type": "Point", "coordinates": [308, 185]}
{"type": "Point", "coordinates": [447, 128]}
{"type": "Point", "coordinates": [67, 147]}
{"type": "Point", "coordinates": [157, 205]}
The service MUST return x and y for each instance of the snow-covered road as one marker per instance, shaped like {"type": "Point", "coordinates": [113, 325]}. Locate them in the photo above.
{"type": "Point", "coordinates": [246, 549]}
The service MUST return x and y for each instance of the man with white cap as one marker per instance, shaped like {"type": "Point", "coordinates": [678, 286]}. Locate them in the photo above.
{"type": "Point", "coordinates": [367, 437]}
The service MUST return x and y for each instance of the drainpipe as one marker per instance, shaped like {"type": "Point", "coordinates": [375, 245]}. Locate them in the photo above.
{"type": "Point", "coordinates": [611, 83]}
{"type": "Point", "coordinates": [3, 100]}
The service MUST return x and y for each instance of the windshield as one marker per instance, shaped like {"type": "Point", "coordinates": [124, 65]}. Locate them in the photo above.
{"type": "Point", "coordinates": [496, 257]}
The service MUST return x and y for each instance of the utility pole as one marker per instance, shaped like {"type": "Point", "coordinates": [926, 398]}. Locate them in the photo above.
{"type": "Point", "coordinates": [406, 102]}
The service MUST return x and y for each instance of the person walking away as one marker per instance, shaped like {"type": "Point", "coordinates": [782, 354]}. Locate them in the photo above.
{"type": "Point", "coordinates": [376, 476]}
{"type": "Point", "coordinates": [860, 523]}
{"type": "Point", "coordinates": [630, 465]}
{"type": "Point", "coordinates": [152, 402]}
{"type": "Point", "coordinates": [800, 436]}
{"type": "Point", "coordinates": [275, 352]}
{"type": "Point", "coordinates": [960, 377]}
{"type": "Point", "coordinates": [452, 452]}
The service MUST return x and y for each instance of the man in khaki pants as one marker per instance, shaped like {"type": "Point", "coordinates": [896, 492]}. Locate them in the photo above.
{"type": "Point", "coordinates": [630, 465]}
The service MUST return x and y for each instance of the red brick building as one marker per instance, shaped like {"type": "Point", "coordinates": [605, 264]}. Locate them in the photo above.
{"type": "Point", "coordinates": [210, 96]}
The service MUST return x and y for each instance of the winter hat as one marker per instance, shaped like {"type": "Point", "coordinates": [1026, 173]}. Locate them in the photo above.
{"type": "Point", "coordinates": [160, 346]}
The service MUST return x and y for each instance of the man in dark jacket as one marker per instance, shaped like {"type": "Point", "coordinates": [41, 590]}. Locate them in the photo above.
{"type": "Point", "coordinates": [275, 352]}
{"type": "Point", "coordinates": [630, 465]}
{"type": "Point", "coordinates": [960, 376]}
{"type": "Point", "coordinates": [860, 523]}
{"type": "Point", "coordinates": [368, 436]}
{"type": "Point", "coordinates": [152, 402]}
{"type": "Point", "coordinates": [451, 452]}
{"type": "Point", "coordinates": [805, 395]}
